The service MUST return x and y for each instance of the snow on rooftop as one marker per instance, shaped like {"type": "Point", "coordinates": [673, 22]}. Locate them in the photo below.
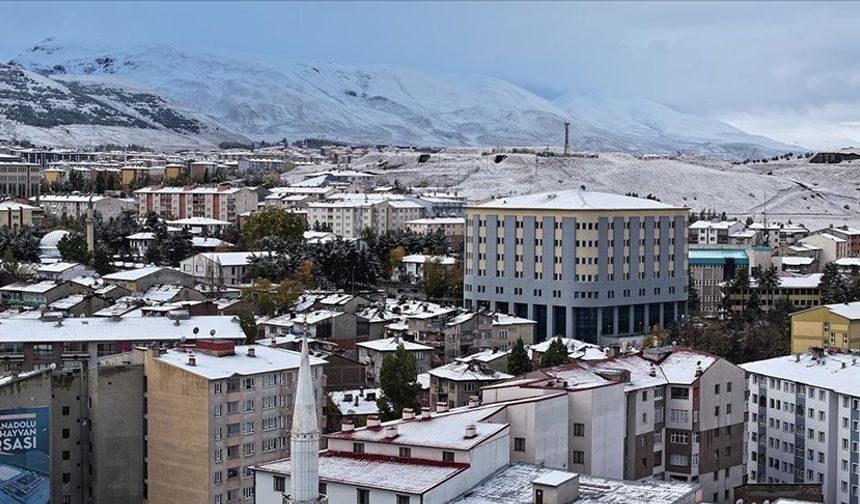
{"type": "Point", "coordinates": [395, 474]}
{"type": "Point", "coordinates": [704, 224]}
{"type": "Point", "coordinates": [500, 319]}
{"type": "Point", "coordinates": [680, 366]}
{"type": "Point", "coordinates": [847, 262]}
{"type": "Point", "coordinates": [231, 258]}
{"type": "Point", "coordinates": [640, 370]}
{"type": "Point", "coordinates": [391, 344]}
{"type": "Point", "coordinates": [162, 292]}
{"type": "Point", "coordinates": [824, 372]}
{"type": "Point", "coordinates": [134, 274]}
{"type": "Point", "coordinates": [356, 401]}
{"type": "Point", "coordinates": [213, 367]}
{"type": "Point", "coordinates": [575, 199]}
{"type": "Point", "coordinates": [57, 267]}
{"type": "Point", "coordinates": [423, 259]}
{"type": "Point", "coordinates": [485, 356]}
{"type": "Point", "coordinates": [513, 485]}
{"type": "Point", "coordinates": [37, 287]}
{"type": "Point", "coordinates": [198, 221]}
{"type": "Point", "coordinates": [438, 221]}
{"type": "Point", "coordinates": [798, 260]}
{"type": "Point", "coordinates": [468, 371]}
{"type": "Point", "coordinates": [442, 430]}
{"type": "Point", "coordinates": [107, 329]}
{"type": "Point", "coordinates": [67, 302]}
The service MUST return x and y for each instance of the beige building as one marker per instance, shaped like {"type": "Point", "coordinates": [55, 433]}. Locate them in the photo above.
{"type": "Point", "coordinates": [14, 214]}
{"type": "Point", "coordinates": [219, 268]}
{"type": "Point", "coordinates": [348, 216]}
{"type": "Point", "coordinates": [834, 327]}
{"type": "Point", "coordinates": [832, 247]}
{"type": "Point", "coordinates": [453, 227]}
{"type": "Point", "coordinates": [19, 179]}
{"type": "Point", "coordinates": [222, 203]}
{"type": "Point", "coordinates": [214, 411]}
{"type": "Point", "coordinates": [458, 383]}
{"type": "Point", "coordinates": [372, 353]}
{"type": "Point", "coordinates": [76, 205]}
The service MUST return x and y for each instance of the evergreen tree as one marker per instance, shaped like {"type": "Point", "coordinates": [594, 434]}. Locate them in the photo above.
{"type": "Point", "coordinates": [275, 222]}
{"type": "Point", "coordinates": [694, 301]}
{"type": "Point", "coordinates": [73, 248]}
{"type": "Point", "coordinates": [249, 326]}
{"type": "Point", "coordinates": [518, 361]}
{"type": "Point", "coordinates": [436, 279]}
{"type": "Point", "coordinates": [555, 355]}
{"type": "Point", "coordinates": [833, 286]}
{"type": "Point", "coordinates": [399, 382]}
{"type": "Point", "coordinates": [101, 261]}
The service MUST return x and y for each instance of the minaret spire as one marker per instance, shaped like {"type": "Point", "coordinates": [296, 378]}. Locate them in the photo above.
{"type": "Point", "coordinates": [305, 439]}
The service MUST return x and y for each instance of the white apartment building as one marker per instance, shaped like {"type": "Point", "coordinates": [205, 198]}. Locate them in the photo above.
{"type": "Point", "coordinates": [219, 268]}
{"type": "Point", "coordinates": [348, 216]}
{"type": "Point", "coordinates": [704, 232]}
{"type": "Point", "coordinates": [220, 203]}
{"type": "Point", "coordinates": [76, 205]}
{"type": "Point", "coordinates": [831, 247]}
{"type": "Point", "coordinates": [804, 422]}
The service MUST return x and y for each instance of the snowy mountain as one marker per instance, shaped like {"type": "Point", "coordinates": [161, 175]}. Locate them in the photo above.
{"type": "Point", "coordinates": [83, 112]}
{"type": "Point", "coordinates": [389, 105]}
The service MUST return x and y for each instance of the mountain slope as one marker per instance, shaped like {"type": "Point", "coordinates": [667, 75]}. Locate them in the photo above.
{"type": "Point", "coordinates": [51, 112]}
{"type": "Point", "coordinates": [387, 105]}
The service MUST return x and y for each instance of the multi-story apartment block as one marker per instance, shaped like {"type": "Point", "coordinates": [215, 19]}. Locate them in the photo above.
{"type": "Point", "coordinates": [804, 422]}
{"type": "Point", "coordinates": [710, 269]}
{"type": "Point", "coordinates": [372, 353]}
{"type": "Point", "coordinates": [219, 268]}
{"type": "Point", "coordinates": [583, 264]}
{"type": "Point", "coordinates": [18, 178]}
{"type": "Point", "coordinates": [213, 412]}
{"type": "Point", "coordinates": [221, 203]}
{"type": "Point", "coordinates": [75, 205]}
{"type": "Point", "coordinates": [832, 327]}
{"type": "Point", "coordinates": [684, 418]}
{"type": "Point", "coordinates": [830, 246]}
{"type": "Point", "coordinates": [801, 291]}
{"type": "Point", "coordinates": [349, 216]}
{"type": "Point", "coordinates": [14, 214]}
{"type": "Point", "coordinates": [453, 227]}
{"type": "Point", "coordinates": [457, 383]}
{"type": "Point", "coordinates": [704, 232]}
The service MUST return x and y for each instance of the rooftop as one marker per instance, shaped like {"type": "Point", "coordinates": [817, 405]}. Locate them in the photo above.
{"type": "Point", "coordinates": [213, 367]}
{"type": "Point", "coordinates": [438, 220]}
{"type": "Point", "coordinates": [468, 371]}
{"type": "Point", "coordinates": [717, 256]}
{"type": "Point", "coordinates": [422, 259]}
{"type": "Point", "coordinates": [357, 401]}
{"type": "Point", "coordinates": [513, 485]}
{"type": "Point", "coordinates": [30, 287]}
{"type": "Point", "coordinates": [575, 199]}
{"type": "Point", "coordinates": [198, 221]}
{"type": "Point", "coordinates": [230, 258]}
{"type": "Point", "coordinates": [833, 371]}
{"type": "Point", "coordinates": [391, 344]}
{"type": "Point", "coordinates": [133, 274]}
{"type": "Point", "coordinates": [109, 329]}
{"type": "Point", "coordinates": [395, 474]}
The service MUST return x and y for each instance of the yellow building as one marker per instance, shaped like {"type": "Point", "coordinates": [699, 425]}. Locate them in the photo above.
{"type": "Point", "coordinates": [802, 292]}
{"type": "Point", "coordinates": [14, 214]}
{"type": "Point", "coordinates": [834, 327]}
{"type": "Point", "coordinates": [172, 171]}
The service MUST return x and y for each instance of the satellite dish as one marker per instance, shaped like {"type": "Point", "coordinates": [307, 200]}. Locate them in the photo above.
{"type": "Point", "coordinates": [212, 333]}
{"type": "Point", "coordinates": [195, 330]}
{"type": "Point", "coordinates": [182, 339]}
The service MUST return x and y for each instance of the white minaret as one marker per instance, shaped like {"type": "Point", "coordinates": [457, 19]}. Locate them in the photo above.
{"type": "Point", "coordinates": [305, 439]}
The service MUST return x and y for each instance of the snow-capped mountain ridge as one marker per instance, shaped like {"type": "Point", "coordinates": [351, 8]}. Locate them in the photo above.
{"type": "Point", "coordinates": [391, 105]}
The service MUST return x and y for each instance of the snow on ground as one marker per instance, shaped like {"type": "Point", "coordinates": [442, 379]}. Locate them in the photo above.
{"type": "Point", "coordinates": [812, 194]}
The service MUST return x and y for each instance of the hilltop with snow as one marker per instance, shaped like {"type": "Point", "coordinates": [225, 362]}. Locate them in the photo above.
{"type": "Point", "coordinates": [389, 105]}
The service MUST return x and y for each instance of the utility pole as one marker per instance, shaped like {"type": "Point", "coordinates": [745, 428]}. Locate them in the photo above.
{"type": "Point", "coordinates": [566, 138]}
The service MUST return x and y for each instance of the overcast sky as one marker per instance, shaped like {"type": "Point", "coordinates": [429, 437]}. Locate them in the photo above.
{"type": "Point", "coordinates": [786, 70]}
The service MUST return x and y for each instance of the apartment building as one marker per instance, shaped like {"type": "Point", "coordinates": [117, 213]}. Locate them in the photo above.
{"type": "Point", "coordinates": [219, 268]}
{"type": "Point", "coordinates": [453, 227]}
{"type": "Point", "coordinates": [76, 205]}
{"type": "Point", "coordinates": [348, 216]}
{"type": "Point", "coordinates": [457, 383]}
{"type": "Point", "coordinates": [220, 203]}
{"type": "Point", "coordinates": [214, 411]}
{"type": "Point", "coordinates": [14, 214]}
{"type": "Point", "coordinates": [372, 353]}
{"type": "Point", "coordinates": [710, 269]}
{"type": "Point", "coordinates": [803, 422]}
{"type": "Point", "coordinates": [715, 232]}
{"type": "Point", "coordinates": [832, 327]}
{"type": "Point", "coordinates": [684, 418]}
{"type": "Point", "coordinates": [800, 291]}
{"type": "Point", "coordinates": [140, 279]}
{"type": "Point", "coordinates": [19, 179]}
{"type": "Point", "coordinates": [850, 235]}
{"type": "Point", "coordinates": [583, 264]}
{"type": "Point", "coordinates": [831, 247]}
{"type": "Point", "coordinates": [36, 294]}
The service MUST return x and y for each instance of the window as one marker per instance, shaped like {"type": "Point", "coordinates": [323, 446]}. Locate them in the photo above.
{"type": "Point", "coordinates": [402, 499]}
{"type": "Point", "coordinates": [578, 457]}
{"type": "Point", "coordinates": [247, 449]}
{"type": "Point", "coordinates": [357, 447]}
{"type": "Point", "coordinates": [519, 444]}
{"type": "Point", "coordinates": [219, 455]}
{"type": "Point", "coordinates": [447, 456]}
{"type": "Point", "coordinates": [680, 415]}
{"type": "Point", "coordinates": [362, 496]}
{"type": "Point", "coordinates": [248, 383]}
{"type": "Point", "coordinates": [678, 459]}
{"type": "Point", "coordinates": [578, 429]}
{"type": "Point", "coordinates": [280, 484]}
{"type": "Point", "coordinates": [248, 493]}
{"type": "Point", "coordinates": [680, 393]}
{"type": "Point", "coordinates": [219, 478]}
{"type": "Point", "coordinates": [405, 452]}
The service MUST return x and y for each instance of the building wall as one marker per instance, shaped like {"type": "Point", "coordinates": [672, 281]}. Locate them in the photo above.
{"type": "Point", "coordinates": [529, 262]}
{"type": "Point", "coordinates": [808, 330]}
{"type": "Point", "coordinates": [178, 429]}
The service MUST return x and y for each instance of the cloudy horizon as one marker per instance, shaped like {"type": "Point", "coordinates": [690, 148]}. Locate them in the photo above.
{"type": "Point", "coordinates": [783, 70]}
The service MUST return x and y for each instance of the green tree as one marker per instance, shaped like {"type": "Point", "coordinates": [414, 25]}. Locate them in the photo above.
{"type": "Point", "coordinates": [399, 382]}
{"type": "Point", "coordinates": [833, 287]}
{"type": "Point", "coordinates": [694, 301]}
{"type": "Point", "coordinates": [275, 222]}
{"type": "Point", "coordinates": [11, 266]}
{"type": "Point", "coordinates": [436, 279]}
{"type": "Point", "coordinates": [555, 355]}
{"type": "Point", "coordinates": [73, 248]}
{"type": "Point", "coordinates": [261, 294]}
{"type": "Point", "coordinates": [249, 326]}
{"type": "Point", "coordinates": [518, 361]}
{"type": "Point", "coordinates": [101, 261]}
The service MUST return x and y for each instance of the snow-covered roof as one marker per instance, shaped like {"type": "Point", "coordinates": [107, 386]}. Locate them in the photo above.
{"type": "Point", "coordinates": [356, 401]}
{"type": "Point", "coordinates": [108, 329]}
{"type": "Point", "coordinates": [318, 236]}
{"type": "Point", "coordinates": [572, 345]}
{"type": "Point", "coordinates": [679, 367]}
{"type": "Point", "coordinates": [231, 258]}
{"type": "Point", "coordinates": [67, 302]}
{"type": "Point", "coordinates": [16, 205]}
{"type": "Point", "coordinates": [826, 372]}
{"type": "Point", "coordinates": [502, 319]}
{"type": "Point", "coordinates": [423, 259]}
{"type": "Point", "coordinates": [848, 261]}
{"type": "Point", "coordinates": [338, 298]}
{"type": "Point", "coordinates": [195, 190]}
{"type": "Point", "coordinates": [68, 198]}
{"type": "Point", "coordinates": [575, 199]}
{"type": "Point", "coordinates": [36, 288]}
{"type": "Point", "coordinates": [442, 430]}
{"type": "Point", "coordinates": [704, 224]}
{"type": "Point", "coordinates": [391, 344]}
{"type": "Point", "coordinates": [395, 474]}
{"type": "Point", "coordinates": [57, 267]}
{"type": "Point", "coordinates": [212, 367]}
{"type": "Point", "coordinates": [797, 260]}
{"type": "Point", "coordinates": [468, 371]}
{"type": "Point", "coordinates": [831, 237]}
{"type": "Point", "coordinates": [438, 221]}
{"type": "Point", "coordinates": [639, 367]}
{"type": "Point", "coordinates": [134, 274]}
{"type": "Point", "coordinates": [485, 356]}
{"type": "Point", "coordinates": [198, 221]}
{"type": "Point", "coordinates": [847, 231]}
{"type": "Point", "coordinates": [162, 292]}
{"type": "Point", "coordinates": [810, 281]}
{"type": "Point", "coordinates": [208, 242]}
{"type": "Point", "coordinates": [423, 379]}
{"type": "Point", "coordinates": [513, 485]}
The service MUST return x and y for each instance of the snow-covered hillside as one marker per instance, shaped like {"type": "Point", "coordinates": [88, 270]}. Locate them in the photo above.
{"type": "Point", "coordinates": [816, 195]}
{"type": "Point", "coordinates": [391, 105]}
{"type": "Point", "coordinates": [46, 111]}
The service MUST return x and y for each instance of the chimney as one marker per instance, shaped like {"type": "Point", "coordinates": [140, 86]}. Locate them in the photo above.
{"type": "Point", "coordinates": [391, 432]}
{"type": "Point", "coordinates": [192, 361]}
{"type": "Point", "coordinates": [653, 371]}
{"type": "Point", "coordinates": [425, 413]}
{"type": "Point", "coordinates": [346, 425]}
{"type": "Point", "coordinates": [471, 432]}
{"type": "Point", "coordinates": [474, 401]}
{"type": "Point", "coordinates": [252, 352]}
{"type": "Point", "coordinates": [441, 407]}
{"type": "Point", "coordinates": [699, 370]}
{"type": "Point", "coordinates": [408, 413]}
{"type": "Point", "coordinates": [274, 342]}
{"type": "Point", "coordinates": [373, 421]}
{"type": "Point", "coordinates": [797, 357]}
